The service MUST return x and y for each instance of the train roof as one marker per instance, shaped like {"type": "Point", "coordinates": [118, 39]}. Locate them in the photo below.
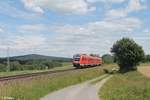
{"type": "Point", "coordinates": [92, 55]}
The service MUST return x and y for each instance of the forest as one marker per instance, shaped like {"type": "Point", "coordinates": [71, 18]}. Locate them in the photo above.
{"type": "Point", "coordinates": [32, 62]}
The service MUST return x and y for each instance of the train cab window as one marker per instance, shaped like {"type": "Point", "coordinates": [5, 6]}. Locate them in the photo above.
{"type": "Point", "coordinates": [76, 59]}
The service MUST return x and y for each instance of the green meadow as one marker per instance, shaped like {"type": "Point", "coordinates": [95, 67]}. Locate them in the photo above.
{"type": "Point", "coordinates": [128, 86]}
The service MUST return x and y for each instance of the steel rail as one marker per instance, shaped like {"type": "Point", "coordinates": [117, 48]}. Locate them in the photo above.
{"type": "Point", "coordinates": [22, 76]}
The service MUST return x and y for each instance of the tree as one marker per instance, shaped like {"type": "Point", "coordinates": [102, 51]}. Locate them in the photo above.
{"type": "Point", "coordinates": [128, 54]}
{"type": "Point", "coordinates": [2, 67]}
{"type": "Point", "coordinates": [147, 58]}
{"type": "Point", "coordinates": [107, 58]}
{"type": "Point", "coordinates": [15, 65]}
{"type": "Point", "coordinates": [95, 55]}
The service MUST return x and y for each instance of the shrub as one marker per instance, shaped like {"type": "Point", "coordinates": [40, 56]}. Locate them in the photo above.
{"type": "Point", "coordinates": [2, 67]}
{"type": "Point", "coordinates": [108, 59]}
{"type": "Point", "coordinates": [15, 65]}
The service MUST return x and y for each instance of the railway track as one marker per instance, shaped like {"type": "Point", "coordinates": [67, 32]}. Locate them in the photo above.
{"type": "Point", "coordinates": [23, 76]}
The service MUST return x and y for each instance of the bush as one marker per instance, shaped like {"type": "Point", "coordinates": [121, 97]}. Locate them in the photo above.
{"type": "Point", "coordinates": [2, 67]}
{"type": "Point", "coordinates": [108, 59]}
{"type": "Point", "coordinates": [15, 65]}
{"type": "Point", "coordinates": [128, 54]}
{"type": "Point", "coordinates": [147, 58]}
{"type": "Point", "coordinates": [30, 65]}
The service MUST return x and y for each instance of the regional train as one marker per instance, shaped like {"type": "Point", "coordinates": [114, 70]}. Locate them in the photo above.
{"type": "Point", "coordinates": [84, 60]}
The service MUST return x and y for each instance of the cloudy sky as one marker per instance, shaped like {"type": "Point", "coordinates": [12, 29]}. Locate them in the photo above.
{"type": "Point", "coordinates": [66, 27]}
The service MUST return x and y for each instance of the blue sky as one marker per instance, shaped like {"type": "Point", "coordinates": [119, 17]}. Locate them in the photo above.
{"type": "Point", "coordinates": [67, 27]}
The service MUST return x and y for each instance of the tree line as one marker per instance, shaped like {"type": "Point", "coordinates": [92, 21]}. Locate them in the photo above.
{"type": "Point", "coordinates": [109, 59]}
{"type": "Point", "coordinates": [18, 65]}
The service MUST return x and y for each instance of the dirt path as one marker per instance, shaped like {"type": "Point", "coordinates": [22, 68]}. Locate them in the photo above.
{"type": "Point", "coordinates": [84, 91]}
{"type": "Point", "coordinates": [145, 70]}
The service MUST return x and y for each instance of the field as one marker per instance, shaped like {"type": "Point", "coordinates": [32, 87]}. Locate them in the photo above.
{"type": "Point", "coordinates": [145, 70]}
{"type": "Point", "coordinates": [128, 86]}
{"type": "Point", "coordinates": [40, 86]}
{"type": "Point", "coordinates": [65, 65]}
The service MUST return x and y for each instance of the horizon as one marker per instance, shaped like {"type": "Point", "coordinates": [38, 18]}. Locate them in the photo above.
{"type": "Point", "coordinates": [32, 54]}
{"type": "Point", "coordinates": [40, 55]}
{"type": "Point", "coordinates": [67, 27]}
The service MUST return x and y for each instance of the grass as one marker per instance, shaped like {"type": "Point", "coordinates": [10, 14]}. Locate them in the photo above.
{"type": "Point", "coordinates": [65, 66]}
{"type": "Point", "coordinates": [99, 79]}
{"type": "Point", "coordinates": [40, 86]}
{"type": "Point", "coordinates": [128, 86]}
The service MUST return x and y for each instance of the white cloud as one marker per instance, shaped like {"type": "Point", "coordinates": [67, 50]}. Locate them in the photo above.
{"type": "Point", "coordinates": [133, 6]}
{"type": "Point", "coordinates": [78, 7]}
{"type": "Point", "coordinates": [10, 10]}
{"type": "Point", "coordinates": [146, 30]}
{"type": "Point", "coordinates": [94, 37]}
{"type": "Point", "coordinates": [106, 1]}
{"type": "Point", "coordinates": [28, 42]}
{"type": "Point", "coordinates": [64, 6]}
{"type": "Point", "coordinates": [32, 27]}
{"type": "Point", "coordinates": [117, 1]}
{"type": "Point", "coordinates": [118, 25]}
{"type": "Point", "coordinates": [31, 6]}
{"type": "Point", "coordinates": [23, 42]}
{"type": "Point", "coordinates": [1, 30]}
{"type": "Point", "coordinates": [116, 13]}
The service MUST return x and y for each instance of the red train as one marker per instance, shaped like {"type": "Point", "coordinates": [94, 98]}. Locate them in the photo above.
{"type": "Point", "coordinates": [83, 60]}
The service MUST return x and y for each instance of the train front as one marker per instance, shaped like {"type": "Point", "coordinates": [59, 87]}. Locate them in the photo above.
{"type": "Point", "coordinates": [76, 60]}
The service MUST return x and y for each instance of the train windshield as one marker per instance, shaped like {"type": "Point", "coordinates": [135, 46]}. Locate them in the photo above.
{"type": "Point", "coordinates": [76, 57]}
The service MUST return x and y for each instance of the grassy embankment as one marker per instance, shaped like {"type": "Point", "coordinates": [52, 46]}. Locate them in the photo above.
{"type": "Point", "coordinates": [40, 86]}
{"type": "Point", "coordinates": [128, 86]}
{"type": "Point", "coordinates": [65, 65]}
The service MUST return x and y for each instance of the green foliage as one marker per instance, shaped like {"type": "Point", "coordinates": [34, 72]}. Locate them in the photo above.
{"type": "Point", "coordinates": [15, 65]}
{"type": "Point", "coordinates": [2, 67]}
{"type": "Point", "coordinates": [128, 54]}
{"type": "Point", "coordinates": [108, 59]}
{"type": "Point", "coordinates": [32, 62]}
{"type": "Point", "coordinates": [30, 65]}
{"type": "Point", "coordinates": [39, 65]}
{"type": "Point", "coordinates": [147, 58]}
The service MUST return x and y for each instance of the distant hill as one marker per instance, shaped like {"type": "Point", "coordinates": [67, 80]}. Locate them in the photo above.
{"type": "Point", "coordinates": [38, 57]}
{"type": "Point", "coordinates": [32, 62]}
